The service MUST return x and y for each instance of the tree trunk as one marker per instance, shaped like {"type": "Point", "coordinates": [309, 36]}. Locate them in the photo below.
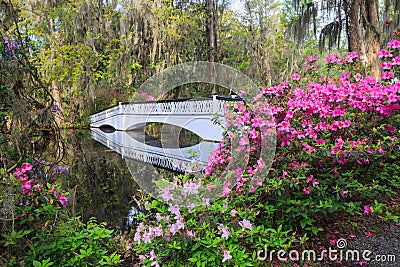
{"type": "Point", "coordinates": [211, 39]}
{"type": "Point", "coordinates": [55, 92]}
{"type": "Point", "coordinates": [364, 36]}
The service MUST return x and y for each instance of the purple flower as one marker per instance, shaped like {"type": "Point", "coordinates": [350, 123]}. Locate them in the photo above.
{"type": "Point", "coordinates": [61, 170]}
{"type": "Point", "coordinates": [56, 109]}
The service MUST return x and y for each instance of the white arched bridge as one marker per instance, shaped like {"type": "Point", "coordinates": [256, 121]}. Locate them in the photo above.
{"type": "Point", "coordinates": [195, 115]}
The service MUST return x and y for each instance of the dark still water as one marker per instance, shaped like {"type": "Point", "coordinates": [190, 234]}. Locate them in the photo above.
{"type": "Point", "coordinates": [101, 184]}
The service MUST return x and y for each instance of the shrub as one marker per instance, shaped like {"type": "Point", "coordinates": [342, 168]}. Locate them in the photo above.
{"type": "Point", "coordinates": [337, 151]}
{"type": "Point", "coordinates": [38, 231]}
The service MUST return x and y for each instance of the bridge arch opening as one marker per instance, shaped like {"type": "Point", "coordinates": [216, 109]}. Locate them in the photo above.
{"type": "Point", "coordinates": [107, 128]}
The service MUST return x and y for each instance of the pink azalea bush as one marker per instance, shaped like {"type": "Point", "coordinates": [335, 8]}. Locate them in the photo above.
{"type": "Point", "coordinates": [34, 192]}
{"type": "Point", "coordinates": [37, 228]}
{"type": "Point", "coordinates": [337, 134]}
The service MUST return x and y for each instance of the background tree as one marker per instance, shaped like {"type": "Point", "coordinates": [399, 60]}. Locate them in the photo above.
{"type": "Point", "coordinates": [355, 24]}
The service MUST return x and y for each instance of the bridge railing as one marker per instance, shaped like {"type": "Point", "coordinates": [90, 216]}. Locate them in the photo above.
{"type": "Point", "coordinates": [106, 113]}
{"type": "Point", "coordinates": [176, 108]}
{"type": "Point", "coordinates": [190, 107]}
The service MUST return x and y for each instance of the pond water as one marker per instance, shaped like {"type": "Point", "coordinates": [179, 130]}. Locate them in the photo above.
{"type": "Point", "coordinates": [101, 184]}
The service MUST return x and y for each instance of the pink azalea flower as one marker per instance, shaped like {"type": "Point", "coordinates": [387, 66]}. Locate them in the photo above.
{"type": "Point", "coordinates": [227, 255]}
{"type": "Point", "coordinates": [206, 201]}
{"type": "Point", "coordinates": [179, 224]}
{"type": "Point", "coordinates": [386, 65]}
{"type": "Point", "coordinates": [253, 134]}
{"type": "Point", "coordinates": [174, 209]}
{"type": "Point", "coordinates": [296, 77]}
{"type": "Point", "coordinates": [27, 184]}
{"type": "Point", "coordinates": [224, 231]}
{"type": "Point", "coordinates": [190, 233]}
{"type": "Point", "coordinates": [387, 75]}
{"type": "Point", "coordinates": [246, 224]}
{"type": "Point", "coordinates": [152, 255]}
{"type": "Point", "coordinates": [321, 142]}
{"type": "Point", "coordinates": [173, 228]}
{"type": "Point", "coordinates": [226, 191]}
{"type": "Point", "coordinates": [166, 194]}
{"type": "Point", "coordinates": [142, 257]}
{"type": "Point", "coordinates": [384, 53]}
{"type": "Point", "coordinates": [368, 233]}
{"type": "Point", "coordinates": [26, 167]}
{"type": "Point", "coordinates": [38, 187]}
{"type": "Point", "coordinates": [190, 188]}
{"type": "Point", "coordinates": [19, 174]}
{"type": "Point", "coordinates": [357, 77]}
{"type": "Point", "coordinates": [243, 141]}
{"type": "Point", "coordinates": [307, 190]}
{"type": "Point", "coordinates": [63, 200]}
{"type": "Point", "coordinates": [360, 262]}
{"type": "Point", "coordinates": [394, 44]}
{"type": "Point", "coordinates": [367, 209]}
{"type": "Point", "coordinates": [137, 237]}
{"type": "Point", "coordinates": [396, 61]}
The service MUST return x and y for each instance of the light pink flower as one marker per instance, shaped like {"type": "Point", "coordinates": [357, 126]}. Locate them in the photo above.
{"type": "Point", "coordinates": [174, 209]}
{"type": "Point", "coordinates": [227, 256]}
{"type": "Point", "coordinates": [224, 231]}
{"type": "Point", "coordinates": [190, 233]}
{"type": "Point", "coordinates": [246, 224]}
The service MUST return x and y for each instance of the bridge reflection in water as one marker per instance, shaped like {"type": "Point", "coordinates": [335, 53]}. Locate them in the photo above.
{"type": "Point", "coordinates": [136, 145]}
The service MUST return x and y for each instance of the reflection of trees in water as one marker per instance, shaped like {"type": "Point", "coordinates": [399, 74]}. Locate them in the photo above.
{"type": "Point", "coordinates": [171, 135]}
{"type": "Point", "coordinates": [104, 186]}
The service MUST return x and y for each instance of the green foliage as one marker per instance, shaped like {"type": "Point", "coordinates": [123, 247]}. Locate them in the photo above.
{"type": "Point", "coordinates": [73, 243]}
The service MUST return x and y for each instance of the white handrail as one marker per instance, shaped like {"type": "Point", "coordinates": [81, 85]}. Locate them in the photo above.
{"type": "Point", "coordinates": [192, 107]}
